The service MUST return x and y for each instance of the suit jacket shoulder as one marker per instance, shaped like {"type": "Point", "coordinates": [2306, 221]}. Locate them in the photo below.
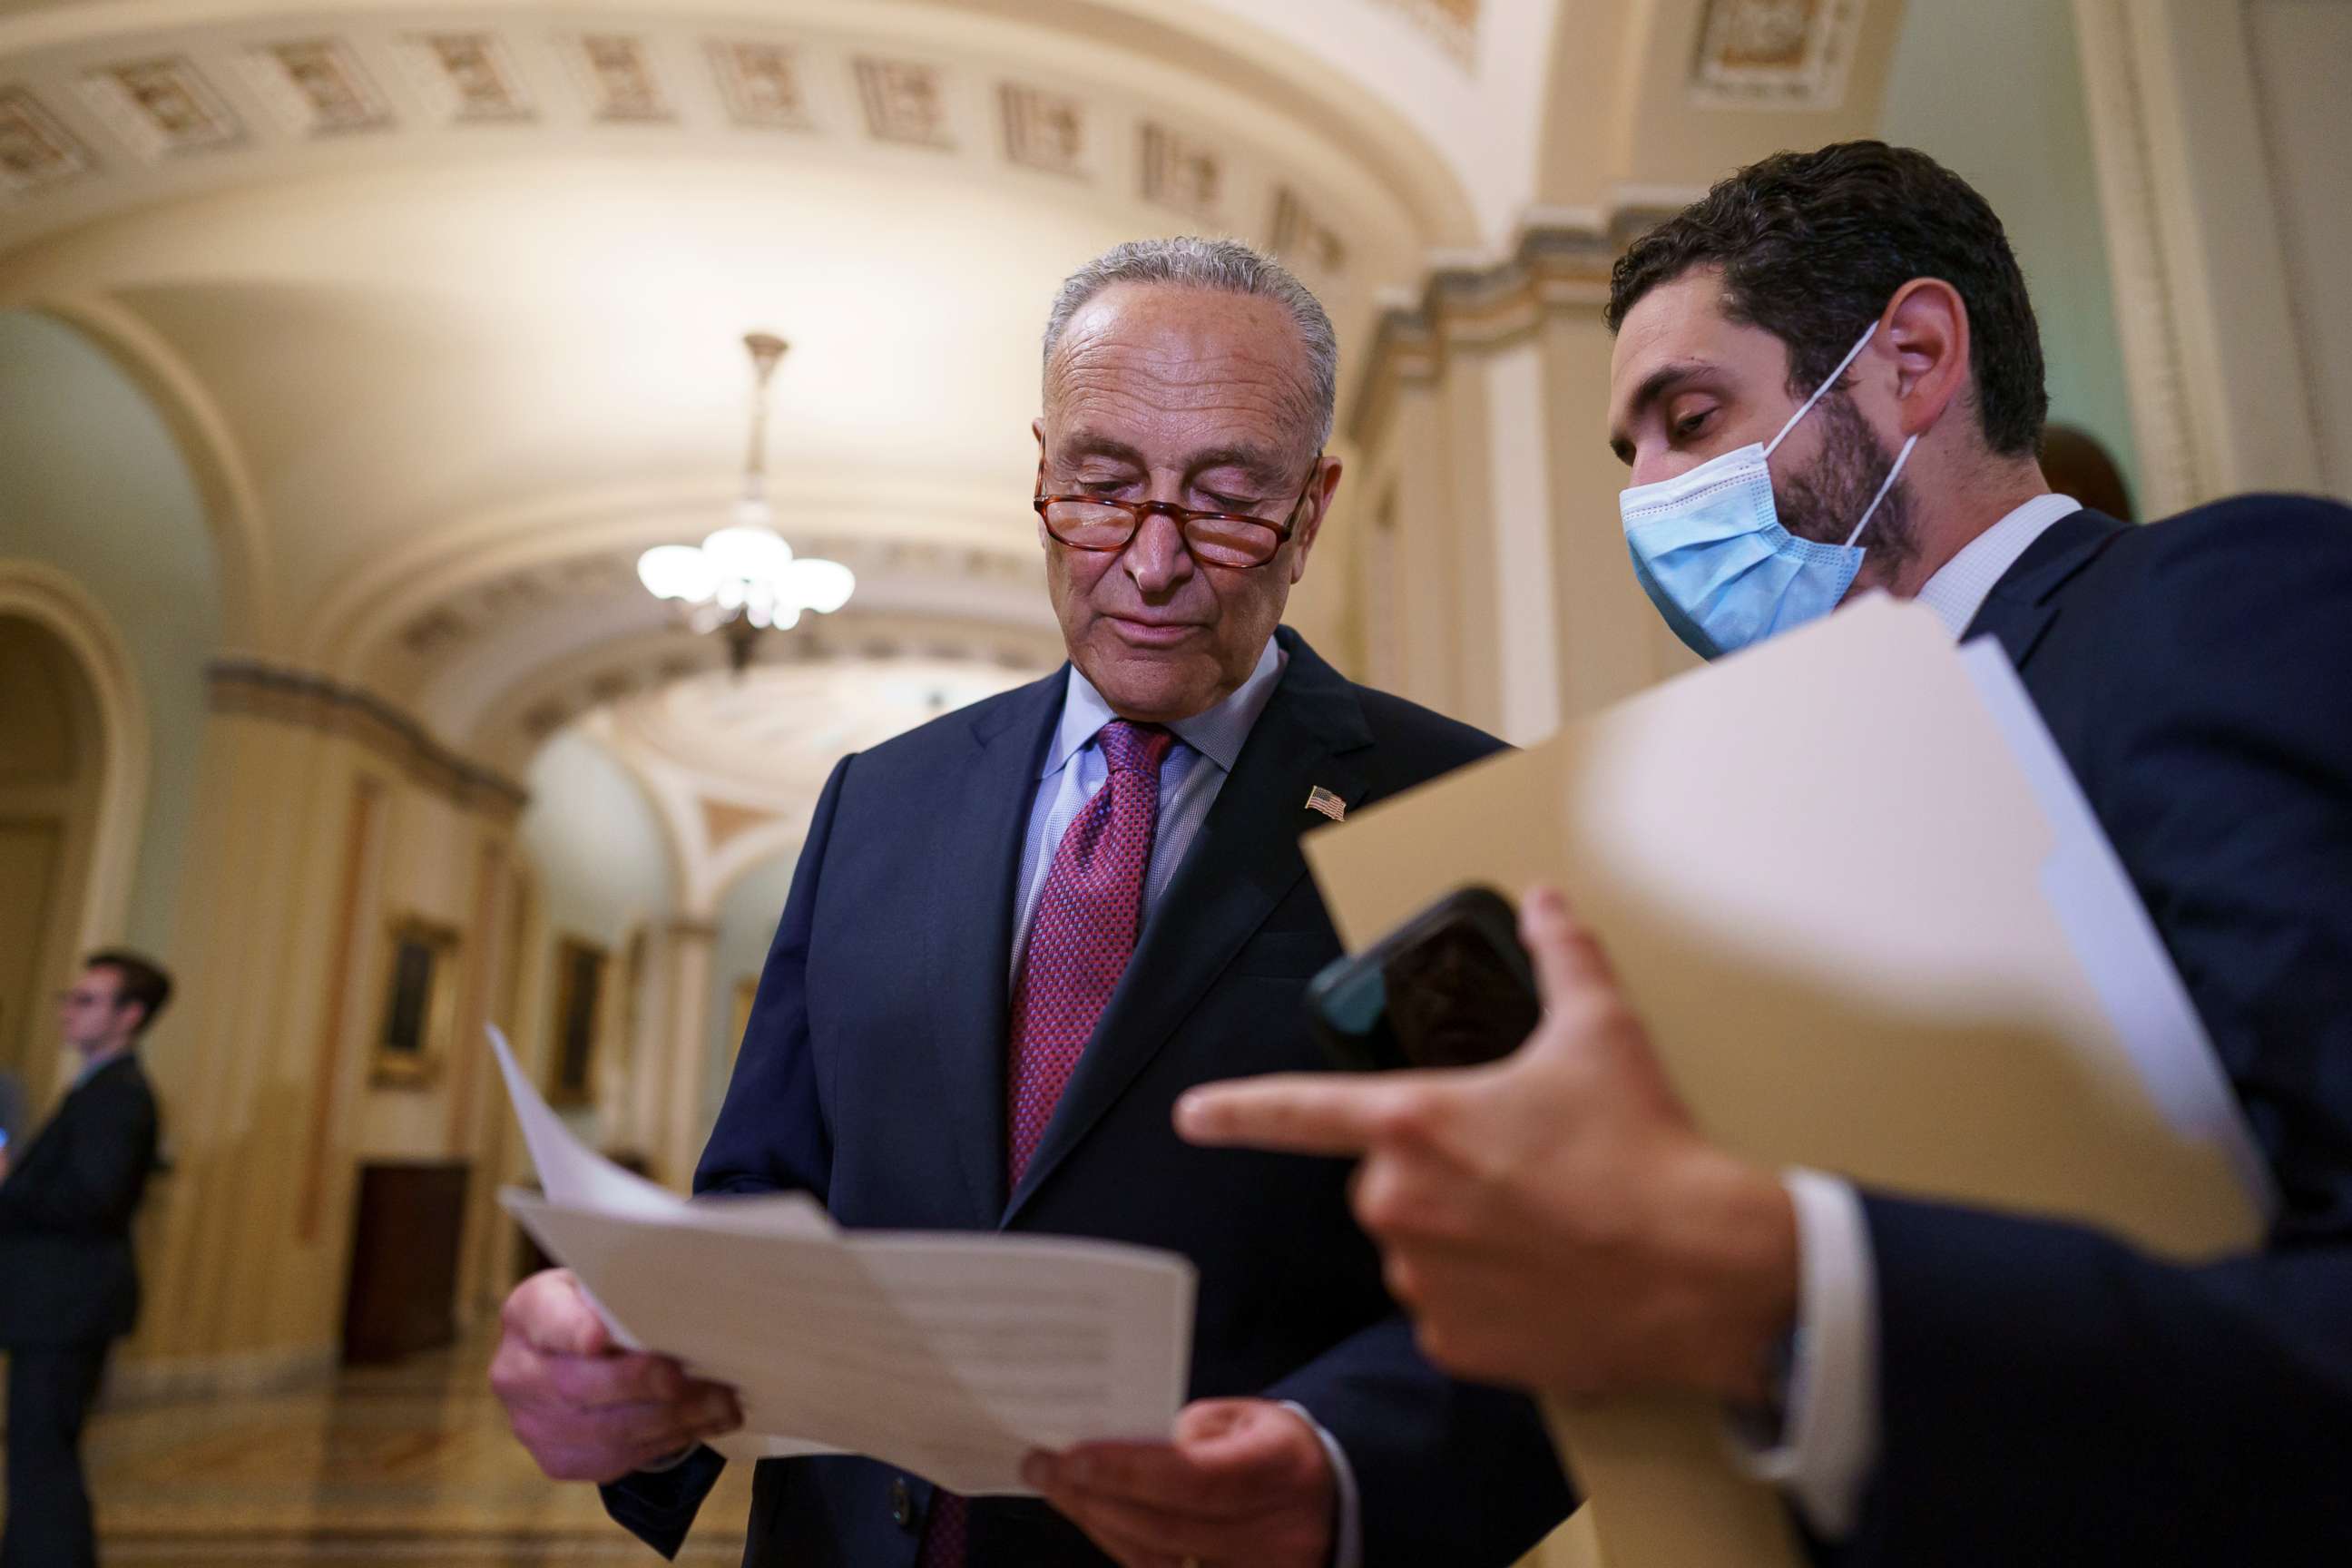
{"type": "Point", "coordinates": [2192, 575]}
{"type": "Point", "coordinates": [1426, 735]}
{"type": "Point", "coordinates": [2193, 671]}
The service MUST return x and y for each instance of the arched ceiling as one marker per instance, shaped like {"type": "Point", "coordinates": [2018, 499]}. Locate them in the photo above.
{"type": "Point", "coordinates": [444, 297]}
{"type": "Point", "coordinates": [451, 298]}
{"type": "Point", "coordinates": [732, 762]}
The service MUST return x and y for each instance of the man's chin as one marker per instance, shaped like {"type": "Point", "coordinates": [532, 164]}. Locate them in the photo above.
{"type": "Point", "coordinates": [1156, 685]}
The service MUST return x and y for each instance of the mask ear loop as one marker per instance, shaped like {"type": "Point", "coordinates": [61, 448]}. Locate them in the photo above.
{"type": "Point", "coordinates": [1851, 355]}
{"type": "Point", "coordinates": [1900, 458]}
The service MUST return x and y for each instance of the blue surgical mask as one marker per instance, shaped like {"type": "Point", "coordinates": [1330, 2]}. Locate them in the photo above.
{"type": "Point", "coordinates": [1711, 553]}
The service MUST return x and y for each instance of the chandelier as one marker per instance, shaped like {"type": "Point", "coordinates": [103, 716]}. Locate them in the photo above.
{"type": "Point", "coordinates": [744, 578]}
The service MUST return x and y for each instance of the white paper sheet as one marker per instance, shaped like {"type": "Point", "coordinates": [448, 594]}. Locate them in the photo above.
{"type": "Point", "coordinates": [951, 1355]}
{"type": "Point", "coordinates": [2113, 939]}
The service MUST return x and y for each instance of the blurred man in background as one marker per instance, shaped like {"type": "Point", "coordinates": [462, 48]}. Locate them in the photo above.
{"type": "Point", "coordinates": [68, 1281]}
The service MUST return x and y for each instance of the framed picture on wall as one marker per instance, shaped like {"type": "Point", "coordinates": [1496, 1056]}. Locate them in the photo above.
{"type": "Point", "coordinates": [420, 1004]}
{"type": "Point", "coordinates": [579, 998]}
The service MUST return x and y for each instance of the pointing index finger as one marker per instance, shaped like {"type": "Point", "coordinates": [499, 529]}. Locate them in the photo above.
{"type": "Point", "coordinates": [1297, 1112]}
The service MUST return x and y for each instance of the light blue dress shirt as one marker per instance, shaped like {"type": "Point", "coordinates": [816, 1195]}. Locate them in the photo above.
{"type": "Point", "coordinates": [1195, 769]}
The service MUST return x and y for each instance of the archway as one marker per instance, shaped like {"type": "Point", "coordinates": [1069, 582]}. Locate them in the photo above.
{"type": "Point", "coordinates": [53, 767]}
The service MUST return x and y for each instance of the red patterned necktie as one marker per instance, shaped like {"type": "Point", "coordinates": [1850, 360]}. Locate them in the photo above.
{"type": "Point", "coordinates": [1079, 944]}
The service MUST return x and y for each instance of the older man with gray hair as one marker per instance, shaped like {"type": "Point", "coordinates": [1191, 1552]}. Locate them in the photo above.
{"type": "Point", "coordinates": [1018, 933]}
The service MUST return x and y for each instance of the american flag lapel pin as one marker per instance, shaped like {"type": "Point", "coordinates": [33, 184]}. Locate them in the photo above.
{"type": "Point", "coordinates": [1329, 804]}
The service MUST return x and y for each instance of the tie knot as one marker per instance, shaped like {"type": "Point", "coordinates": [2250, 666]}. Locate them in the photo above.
{"type": "Point", "coordinates": [1135, 748]}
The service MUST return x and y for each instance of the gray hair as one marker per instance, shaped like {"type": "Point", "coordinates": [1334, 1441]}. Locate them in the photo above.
{"type": "Point", "coordinates": [1226, 266]}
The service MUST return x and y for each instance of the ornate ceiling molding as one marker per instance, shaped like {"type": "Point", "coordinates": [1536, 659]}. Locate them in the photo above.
{"type": "Point", "coordinates": [565, 687]}
{"type": "Point", "coordinates": [1555, 266]}
{"type": "Point", "coordinates": [247, 688]}
{"type": "Point", "coordinates": [444, 562]}
{"type": "Point", "coordinates": [452, 657]}
{"type": "Point", "coordinates": [107, 120]}
{"type": "Point", "coordinates": [1775, 54]}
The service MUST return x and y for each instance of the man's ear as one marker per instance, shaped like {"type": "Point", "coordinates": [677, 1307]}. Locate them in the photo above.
{"type": "Point", "coordinates": [1926, 332]}
{"type": "Point", "coordinates": [1037, 429]}
{"type": "Point", "coordinates": [1310, 523]}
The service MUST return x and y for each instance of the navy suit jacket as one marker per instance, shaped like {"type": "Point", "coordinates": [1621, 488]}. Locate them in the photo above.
{"type": "Point", "coordinates": [872, 1075]}
{"type": "Point", "coordinates": [67, 1275]}
{"type": "Point", "coordinates": [2048, 1395]}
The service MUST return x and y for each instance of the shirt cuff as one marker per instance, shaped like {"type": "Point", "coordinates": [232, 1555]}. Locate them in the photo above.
{"type": "Point", "coordinates": [1829, 1443]}
{"type": "Point", "coordinates": [670, 1462]}
{"type": "Point", "coordinates": [1347, 1532]}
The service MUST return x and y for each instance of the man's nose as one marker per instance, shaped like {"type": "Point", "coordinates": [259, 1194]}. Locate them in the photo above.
{"type": "Point", "coordinates": [1652, 463]}
{"type": "Point", "coordinates": [1156, 558]}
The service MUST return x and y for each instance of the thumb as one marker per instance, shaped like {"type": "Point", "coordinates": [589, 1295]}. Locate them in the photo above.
{"type": "Point", "coordinates": [1567, 955]}
{"type": "Point", "coordinates": [1207, 1420]}
{"type": "Point", "coordinates": [565, 1322]}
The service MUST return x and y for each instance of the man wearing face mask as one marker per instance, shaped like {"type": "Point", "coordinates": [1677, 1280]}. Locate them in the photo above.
{"type": "Point", "coordinates": [1828, 378]}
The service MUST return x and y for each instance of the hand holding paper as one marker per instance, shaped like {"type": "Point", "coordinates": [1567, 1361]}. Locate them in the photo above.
{"type": "Point", "coordinates": [954, 1356]}
{"type": "Point", "coordinates": [587, 1409]}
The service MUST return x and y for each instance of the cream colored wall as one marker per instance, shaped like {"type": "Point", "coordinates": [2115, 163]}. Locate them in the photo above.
{"type": "Point", "coordinates": [1611, 642]}
{"type": "Point", "coordinates": [2220, 148]}
{"type": "Point", "coordinates": [605, 869]}
{"type": "Point", "coordinates": [431, 858]}
{"type": "Point", "coordinates": [119, 515]}
{"type": "Point", "coordinates": [1508, 600]}
{"type": "Point", "coordinates": [305, 842]}
{"type": "Point", "coordinates": [2302, 52]}
{"type": "Point", "coordinates": [747, 926]}
{"type": "Point", "coordinates": [1994, 89]}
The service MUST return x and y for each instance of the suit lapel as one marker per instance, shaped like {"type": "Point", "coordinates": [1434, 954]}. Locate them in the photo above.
{"type": "Point", "coordinates": [2019, 611]}
{"type": "Point", "coordinates": [968, 936]}
{"type": "Point", "coordinates": [1242, 862]}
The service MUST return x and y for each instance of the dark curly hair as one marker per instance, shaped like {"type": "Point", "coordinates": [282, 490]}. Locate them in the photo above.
{"type": "Point", "coordinates": [1812, 246]}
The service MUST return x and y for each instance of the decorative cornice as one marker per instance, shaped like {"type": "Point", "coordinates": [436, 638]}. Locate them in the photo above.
{"type": "Point", "coordinates": [1554, 266]}
{"type": "Point", "coordinates": [296, 697]}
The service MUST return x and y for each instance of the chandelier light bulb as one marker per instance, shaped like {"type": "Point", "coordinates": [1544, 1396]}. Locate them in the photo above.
{"type": "Point", "coordinates": [678, 572]}
{"type": "Point", "coordinates": [821, 585]}
{"type": "Point", "coordinates": [752, 554]}
{"type": "Point", "coordinates": [745, 575]}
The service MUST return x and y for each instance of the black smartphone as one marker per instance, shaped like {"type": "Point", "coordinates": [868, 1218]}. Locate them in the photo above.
{"type": "Point", "coordinates": [1450, 987]}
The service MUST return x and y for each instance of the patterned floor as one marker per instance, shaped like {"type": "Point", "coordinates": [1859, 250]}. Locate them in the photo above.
{"type": "Point", "coordinates": [409, 1463]}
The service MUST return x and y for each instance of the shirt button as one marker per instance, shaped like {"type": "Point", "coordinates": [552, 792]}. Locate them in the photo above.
{"type": "Point", "coordinates": [902, 1504]}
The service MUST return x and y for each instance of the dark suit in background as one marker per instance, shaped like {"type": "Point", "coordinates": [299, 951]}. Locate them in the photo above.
{"type": "Point", "coordinates": [872, 1076]}
{"type": "Point", "coordinates": [68, 1287]}
{"type": "Point", "coordinates": [2047, 1395]}
{"type": "Point", "coordinates": [12, 1112]}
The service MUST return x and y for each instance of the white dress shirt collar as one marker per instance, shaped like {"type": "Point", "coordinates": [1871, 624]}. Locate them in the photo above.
{"type": "Point", "coordinates": [1958, 590]}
